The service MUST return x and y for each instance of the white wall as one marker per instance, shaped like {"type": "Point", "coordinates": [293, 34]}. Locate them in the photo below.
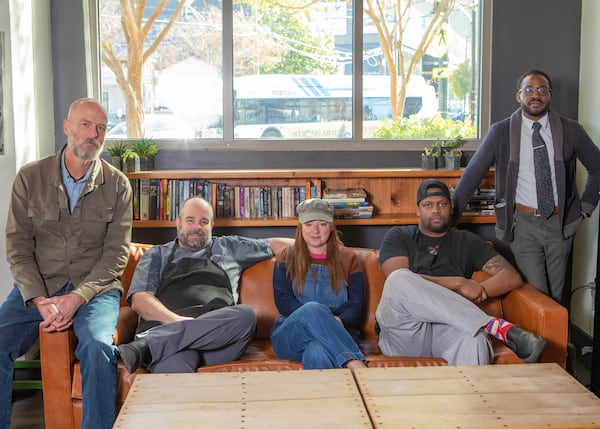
{"type": "Point", "coordinates": [586, 239]}
{"type": "Point", "coordinates": [7, 161]}
{"type": "Point", "coordinates": [27, 94]}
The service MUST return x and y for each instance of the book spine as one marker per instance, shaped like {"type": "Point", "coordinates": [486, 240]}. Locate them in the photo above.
{"type": "Point", "coordinates": [144, 199]}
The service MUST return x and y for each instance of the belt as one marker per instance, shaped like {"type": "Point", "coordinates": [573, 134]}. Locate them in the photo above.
{"type": "Point", "coordinates": [531, 210]}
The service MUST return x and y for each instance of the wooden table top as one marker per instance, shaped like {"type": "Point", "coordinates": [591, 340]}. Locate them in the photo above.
{"type": "Point", "coordinates": [286, 399]}
{"type": "Point", "coordinates": [481, 397]}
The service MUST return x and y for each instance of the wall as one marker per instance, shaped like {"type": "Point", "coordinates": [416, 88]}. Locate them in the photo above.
{"type": "Point", "coordinates": [7, 161]}
{"type": "Point", "coordinates": [586, 239]}
{"type": "Point", "coordinates": [28, 112]}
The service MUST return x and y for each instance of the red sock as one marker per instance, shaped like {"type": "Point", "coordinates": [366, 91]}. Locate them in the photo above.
{"type": "Point", "coordinates": [498, 328]}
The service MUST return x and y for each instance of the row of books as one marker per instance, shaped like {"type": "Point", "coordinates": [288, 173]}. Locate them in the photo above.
{"type": "Point", "coordinates": [349, 203]}
{"type": "Point", "coordinates": [160, 199]}
{"type": "Point", "coordinates": [482, 202]}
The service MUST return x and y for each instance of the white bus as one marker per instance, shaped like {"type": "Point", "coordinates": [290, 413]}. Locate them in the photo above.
{"type": "Point", "coordinates": [303, 107]}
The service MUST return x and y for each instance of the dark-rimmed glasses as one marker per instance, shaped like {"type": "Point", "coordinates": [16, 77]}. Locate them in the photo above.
{"type": "Point", "coordinates": [541, 90]}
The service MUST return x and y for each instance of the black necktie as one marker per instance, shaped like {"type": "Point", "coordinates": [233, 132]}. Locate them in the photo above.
{"type": "Point", "coordinates": [543, 175]}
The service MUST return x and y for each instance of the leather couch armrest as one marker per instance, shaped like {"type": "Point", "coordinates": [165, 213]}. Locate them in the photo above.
{"type": "Point", "coordinates": [57, 357]}
{"type": "Point", "coordinates": [539, 313]}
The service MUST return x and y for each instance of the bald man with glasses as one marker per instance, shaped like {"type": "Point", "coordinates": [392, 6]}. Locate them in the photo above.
{"type": "Point", "coordinates": [538, 207]}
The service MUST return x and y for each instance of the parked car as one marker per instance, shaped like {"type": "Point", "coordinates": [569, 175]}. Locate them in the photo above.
{"type": "Point", "coordinates": [156, 127]}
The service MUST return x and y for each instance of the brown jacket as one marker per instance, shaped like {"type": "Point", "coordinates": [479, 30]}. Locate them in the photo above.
{"type": "Point", "coordinates": [46, 246]}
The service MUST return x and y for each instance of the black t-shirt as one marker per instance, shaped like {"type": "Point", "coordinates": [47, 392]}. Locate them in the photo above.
{"type": "Point", "coordinates": [459, 253]}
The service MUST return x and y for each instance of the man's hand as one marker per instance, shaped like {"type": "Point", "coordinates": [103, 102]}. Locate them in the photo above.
{"type": "Point", "coordinates": [473, 291]}
{"type": "Point", "coordinates": [58, 311]}
{"type": "Point", "coordinates": [470, 289]}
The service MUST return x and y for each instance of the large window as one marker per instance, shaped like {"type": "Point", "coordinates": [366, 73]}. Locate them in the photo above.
{"type": "Point", "coordinates": [294, 72]}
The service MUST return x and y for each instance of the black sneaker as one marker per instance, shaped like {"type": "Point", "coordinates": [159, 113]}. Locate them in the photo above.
{"type": "Point", "coordinates": [135, 354]}
{"type": "Point", "coordinates": [527, 345]}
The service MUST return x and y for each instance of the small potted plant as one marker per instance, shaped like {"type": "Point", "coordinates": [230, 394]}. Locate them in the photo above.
{"type": "Point", "coordinates": [429, 159]}
{"type": "Point", "coordinates": [131, 161]}
{"type": "Point", "coordinates": [452, 153]}
{"type": "Point", "coordinates": [116, 152]}
{"type": "Point", "coordinates": [146, 149]}
{"type": "Point", "coordinates": [430, 156]}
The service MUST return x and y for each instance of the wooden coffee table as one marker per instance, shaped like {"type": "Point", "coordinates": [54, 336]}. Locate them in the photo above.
{"type": "Point", "coordinates": [481, 397]}
{"type": "Point", "coordinates": [286, 399]}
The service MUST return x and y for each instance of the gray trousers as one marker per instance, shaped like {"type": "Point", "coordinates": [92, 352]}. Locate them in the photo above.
{"type": "Point", "coordinates": [218, 336]}
{"type": "Point", "coordinates": [541, 252]}
{"type": "Point", "coordinates": [422, 319]}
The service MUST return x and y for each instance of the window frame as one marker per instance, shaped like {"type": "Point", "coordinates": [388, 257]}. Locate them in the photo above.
{"type": "Point", "coordinates": [356, 143]}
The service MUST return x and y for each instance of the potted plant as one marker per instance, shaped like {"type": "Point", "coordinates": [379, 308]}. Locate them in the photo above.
{"type": "Point", "coordinates": [429, 158]}
{"type": "Point", "coordinates": [452, 153]}
{"type": "Point", "coordinates": [116, 152]}
{"type": "Point", "coordinates": [131, 161]}
{"type": "Point", "coordinates": [146, 149]}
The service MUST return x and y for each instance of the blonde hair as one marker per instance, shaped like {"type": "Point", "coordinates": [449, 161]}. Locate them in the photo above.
{"type": "Point", "coordinates": [297, 260]}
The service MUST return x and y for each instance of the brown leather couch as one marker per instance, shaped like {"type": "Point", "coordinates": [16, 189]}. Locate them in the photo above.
{"type": "Point", "coordinates": [62, 380]}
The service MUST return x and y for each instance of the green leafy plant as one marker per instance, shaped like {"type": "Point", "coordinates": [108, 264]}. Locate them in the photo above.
{"type": "Point", "coordinates": [435, 128]}
{"type": "Point", "coordinates": [145, 148]}
{"type": "Point", "coordinates": [452, 147]}
{"type": "Point", "coordinates": [129, 154]}
{"type": "Point", "coordinates": [118, 149]}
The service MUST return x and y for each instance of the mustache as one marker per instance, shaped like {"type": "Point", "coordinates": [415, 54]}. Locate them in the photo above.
{"type": "Point", "coordinates": [94, 141]}
{"type": "Point", "coordinates": [195, 231]}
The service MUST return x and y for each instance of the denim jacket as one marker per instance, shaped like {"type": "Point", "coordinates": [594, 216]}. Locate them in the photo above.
{"type": "Point", "coordinates": [46, 245]}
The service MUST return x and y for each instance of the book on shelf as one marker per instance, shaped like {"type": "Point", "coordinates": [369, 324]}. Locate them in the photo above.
{"type": "Point", "coordinates": [144, 199]}
{"type": "Point", "coordinates": [162, 198]}
{"type": "Point", "coordinates": [344, 193]}
{"type": "Point", "coordinates": [135, 188]}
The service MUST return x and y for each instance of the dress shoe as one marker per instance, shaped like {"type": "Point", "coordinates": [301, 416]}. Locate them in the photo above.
{"type": "Point", "coordinates": [527, 345]}
{"type": "Point", "coordinates": [135, 354]}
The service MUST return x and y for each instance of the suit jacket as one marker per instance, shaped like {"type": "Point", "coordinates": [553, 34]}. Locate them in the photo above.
{"type": "Point", "coordinates": [500, 148]}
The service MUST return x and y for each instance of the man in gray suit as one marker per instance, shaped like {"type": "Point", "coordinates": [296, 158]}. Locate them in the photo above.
{"type": "Point", "coordinates": [540, 239]}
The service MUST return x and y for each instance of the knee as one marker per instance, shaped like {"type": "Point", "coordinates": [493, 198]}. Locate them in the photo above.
{"type": "Point", "coordinates": [398, 281]}
{"type": "Point", "coordinates": [312, 309]}
{"type": "Point", "coordinates": [246, 316]}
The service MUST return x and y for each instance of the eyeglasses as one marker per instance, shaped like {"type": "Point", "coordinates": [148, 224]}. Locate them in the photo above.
{"type": "Point", "coordinates": [541, 90]}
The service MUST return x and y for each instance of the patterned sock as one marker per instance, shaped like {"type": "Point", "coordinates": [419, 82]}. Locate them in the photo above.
{"type": "Point", "coordinates": [498, 328]}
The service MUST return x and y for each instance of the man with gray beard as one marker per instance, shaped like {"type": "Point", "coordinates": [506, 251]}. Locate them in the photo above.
{"type": "Point", "coordinates": [185, 292]}
{"type": "Point", "coordinates": [67, 243]}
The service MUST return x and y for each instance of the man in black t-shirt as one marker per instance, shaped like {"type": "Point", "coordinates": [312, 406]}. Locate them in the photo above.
{"type": "Point", "coordinates": [428, 306]}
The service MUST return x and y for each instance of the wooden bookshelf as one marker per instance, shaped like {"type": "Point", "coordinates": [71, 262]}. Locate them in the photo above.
{"type": "Point", "coordinates": [391, 191]}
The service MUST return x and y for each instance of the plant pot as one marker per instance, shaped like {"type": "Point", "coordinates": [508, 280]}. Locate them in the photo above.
{"type": "Point", "coordinates": [428, 162]}
{"type": "Point", "coordinates": [147, 164]}
{"type": "Point", "coordinates": [131, 165]}
{"type": "Point", "coordinates": [116, 162]}
{"type": "Point", "coordinates": [452, 162]}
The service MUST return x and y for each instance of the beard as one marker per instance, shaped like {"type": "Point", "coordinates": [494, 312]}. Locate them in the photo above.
{"type": "Point", "coordinates": [193, 240]}
{"type": "Point", "coordinates": [443, 226]}
{"type": "Point", "coordinates": [86, 152]}
{"type": "Point", "coordinates": [537, 112]}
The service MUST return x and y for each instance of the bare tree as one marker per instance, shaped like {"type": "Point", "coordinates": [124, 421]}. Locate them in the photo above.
{"type": "Point", "coordinates": [128, 71]}
{"type": "Point", "coordinates": [392, 31]}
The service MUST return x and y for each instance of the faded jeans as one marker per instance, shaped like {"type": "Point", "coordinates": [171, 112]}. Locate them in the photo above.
{"type": "Point", "coordinates": [313, 336]}
{"type": "Point", "coordinates": [94, 325]}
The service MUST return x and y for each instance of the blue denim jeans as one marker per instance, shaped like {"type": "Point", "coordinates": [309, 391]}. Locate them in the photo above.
{"type": "Point", "coordinates": [94, 325]}
{"type": "Point", "coordinates": [313, 336]}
